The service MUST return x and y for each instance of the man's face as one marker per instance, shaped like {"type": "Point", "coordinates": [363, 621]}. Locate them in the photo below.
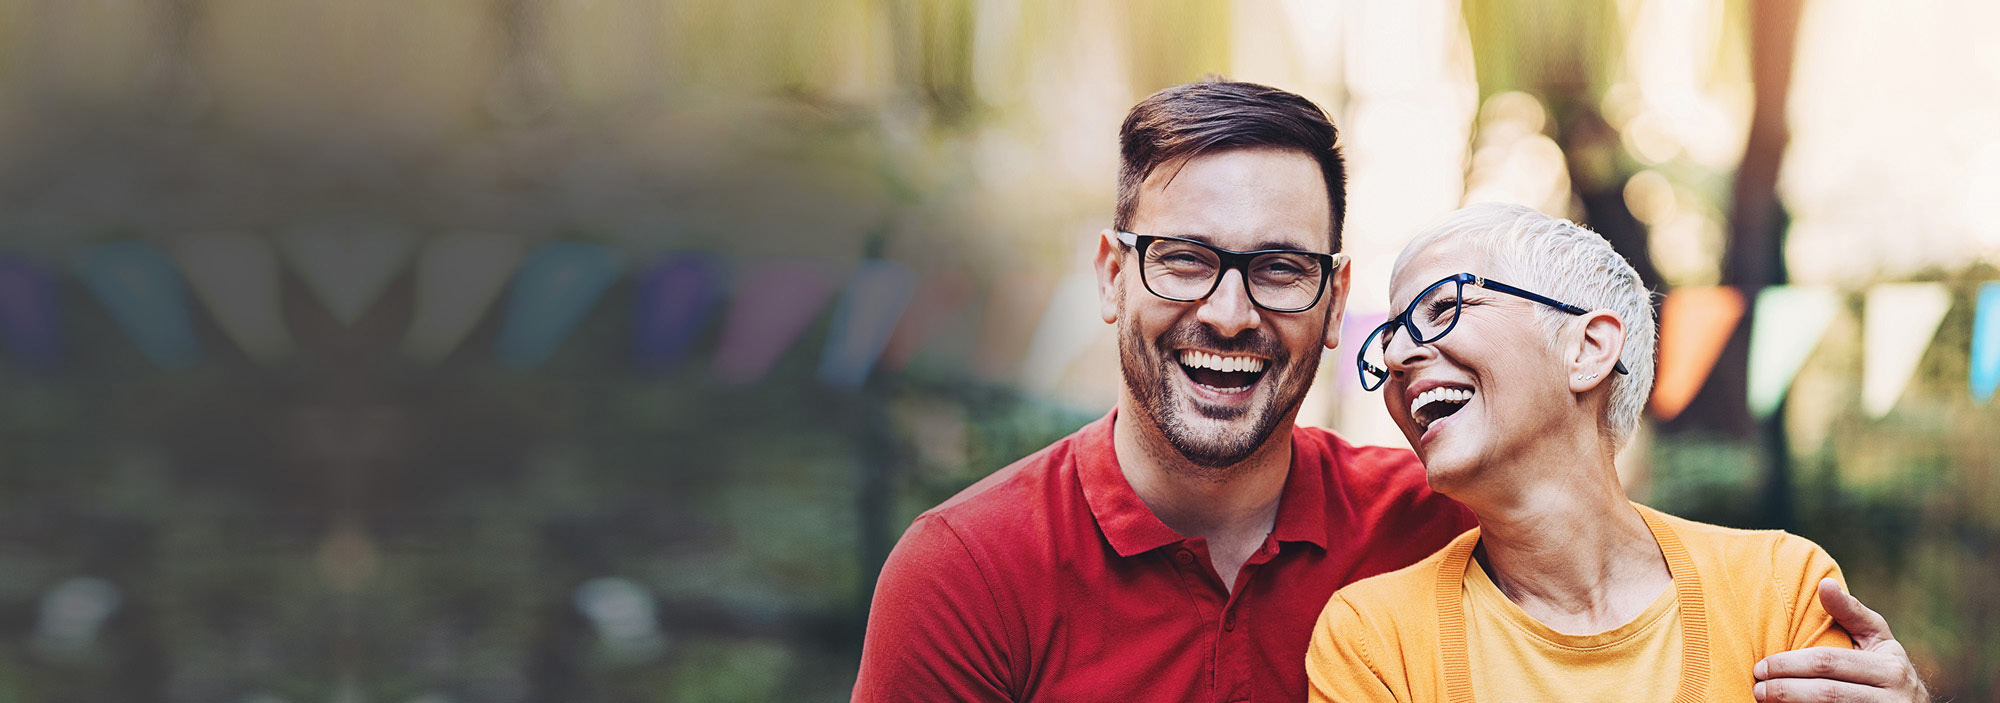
{"type": "Point", "coordinates": [1218, 376]}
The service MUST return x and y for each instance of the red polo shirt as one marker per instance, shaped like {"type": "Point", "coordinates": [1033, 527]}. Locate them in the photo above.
{"type": "Point", "coordinates": [1051, 581]}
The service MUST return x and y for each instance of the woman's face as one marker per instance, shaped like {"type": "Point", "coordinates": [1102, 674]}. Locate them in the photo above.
{"type": "Point", "coordinates": [1483, 393]}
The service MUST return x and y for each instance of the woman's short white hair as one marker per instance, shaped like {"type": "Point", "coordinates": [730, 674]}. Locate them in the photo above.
{"type": "Point", "coordinates": [1563, 260]}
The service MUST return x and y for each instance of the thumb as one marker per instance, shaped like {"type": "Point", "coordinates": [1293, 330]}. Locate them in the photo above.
{"type": "Point", "coordinates": [1866, 626]}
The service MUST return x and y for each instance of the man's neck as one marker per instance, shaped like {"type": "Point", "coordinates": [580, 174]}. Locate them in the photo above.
{"type": "Point", "coordinates": [1227, 506]}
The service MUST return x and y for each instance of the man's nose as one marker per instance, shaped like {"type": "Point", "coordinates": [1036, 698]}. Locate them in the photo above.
{"type": "Point", "coordinates": [1229, 309]}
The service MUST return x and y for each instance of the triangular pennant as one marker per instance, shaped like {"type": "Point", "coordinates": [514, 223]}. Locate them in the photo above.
{"type": "Point", "coordinates": [1986, 344]}
{"type": "Point", "coordinates": [236, 275]}
{"type": "Point", "coordinates": [559, 283]}
{"type": "Point", "coordinates": [774, 302]}
{"type": "Point", "coordinates": [1695, 323]}
{"type": "Point", "coordinates": [1069, 323]}
{"type": "Point", "coordinates": [28, 312]}
{"type": "Point", "coordinates": [347, 267]}
{"type": "Point", "coordinates": [675, 299]}
{"type": "Point", "coordinates": [1011, 312]}
{"type": "Point", "coordinates": [874, 301]}
{"type": "Point", "coordinates": [137, 283]}
{"type": "Point", "coordinates": [940, 299]}
{"type": "Point", "coordinates": [1898, 324]}
{"type": "Point", "coordinates": [459, 276]}
{"type": "Point", "coordinates": [1788, 325]}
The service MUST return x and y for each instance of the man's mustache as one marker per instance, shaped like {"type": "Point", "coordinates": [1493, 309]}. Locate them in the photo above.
{"type": "Point", "coordinates": [1252, 342]}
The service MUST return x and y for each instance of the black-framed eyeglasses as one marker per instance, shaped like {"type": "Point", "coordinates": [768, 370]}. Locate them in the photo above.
{"type": "Point", "coordinates": [1431, 316]}
{"type": "Point", "coordinates": [1278, 280]}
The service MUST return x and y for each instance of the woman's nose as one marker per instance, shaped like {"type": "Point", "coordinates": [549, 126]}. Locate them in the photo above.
{"type": "Point", "coordinates": [1403, 350]}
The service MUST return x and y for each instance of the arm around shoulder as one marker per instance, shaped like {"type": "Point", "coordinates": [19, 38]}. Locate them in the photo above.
{"type": "Point", "coordinates": [935, 631]}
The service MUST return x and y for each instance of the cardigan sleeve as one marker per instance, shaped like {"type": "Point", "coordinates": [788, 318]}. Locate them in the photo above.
{"type": "Point", "coordinates": [1339, 667]}
{"type": "Point", "coordinates": [1798, 565]}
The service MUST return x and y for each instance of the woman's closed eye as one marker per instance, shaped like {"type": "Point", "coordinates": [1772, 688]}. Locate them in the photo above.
{"type": "Point", "coordinates": [1439, 308]}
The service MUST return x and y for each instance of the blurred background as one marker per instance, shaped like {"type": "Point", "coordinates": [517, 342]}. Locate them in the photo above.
{"type": "Point", "coordinates": [599, 350]}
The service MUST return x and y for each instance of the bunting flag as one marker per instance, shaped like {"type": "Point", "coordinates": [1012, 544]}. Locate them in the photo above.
{"type": "Point", "coordinates": [1070, 321]}
{"type": "Point", "coordinates": [459, 276]}
{"type": "Point", "coordinates": [1789, 323]}
{"type": "Point", "coordinates": [1354, 329]}
{"type": "Point", "coordinates": [773, 304]}
{"type": "Point", "coordinates": [236, 275]}
{"type": "Point", "coordinates": [939, 301]}
{"type": "Point", "coordinates": [1695, 323]}
{"type": "Point", "coordinates": [1986, 344]}
{"type": "Point", "coordinates": [675, 300]}
{"type": "Point", "coordinates": [347, 267]}
{"type": "Point", "coordinates": [1005, 323]}
{"type": "Point", "coordinates": [1898, 324]}
{"type": "Point", "coordinates": [28, 313]}
{"type": "Point", "coordinates": [867, 315]}
{"type": "Point", "coordinates": [140, 287]}
{"type": "Point", "coordinates": [559, 283]}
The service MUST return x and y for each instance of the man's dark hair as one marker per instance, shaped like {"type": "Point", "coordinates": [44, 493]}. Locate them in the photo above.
{"type": "Point", "coordinates": [1212, 115]}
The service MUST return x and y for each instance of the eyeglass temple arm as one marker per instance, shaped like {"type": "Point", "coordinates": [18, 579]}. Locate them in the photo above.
{"type": "Point", "coordinates": [1545, 300]}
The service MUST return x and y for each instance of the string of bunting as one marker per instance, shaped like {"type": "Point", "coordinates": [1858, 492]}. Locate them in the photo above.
{"type": "Point", "coordinates": [884, 314]}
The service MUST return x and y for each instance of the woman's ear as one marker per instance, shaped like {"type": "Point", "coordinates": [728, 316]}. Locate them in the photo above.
{"type": "Point", "coordinates": [1110, 261]}
{"type": "Point", "coordinates": [1595, 349]}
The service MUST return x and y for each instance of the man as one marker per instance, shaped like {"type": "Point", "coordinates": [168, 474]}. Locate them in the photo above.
{"type": "Point", "coordinates": [1181, 547]}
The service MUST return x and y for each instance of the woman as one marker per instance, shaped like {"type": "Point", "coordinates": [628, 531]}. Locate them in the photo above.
{"type": "Point", "coordinates": [1517, 399]}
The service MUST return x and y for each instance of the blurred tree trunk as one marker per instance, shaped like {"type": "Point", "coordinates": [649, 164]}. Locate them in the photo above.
{"type": "Point", "coordinates": [1566, 54]}
{"type": "Point", "coordinates": [1754, 256]}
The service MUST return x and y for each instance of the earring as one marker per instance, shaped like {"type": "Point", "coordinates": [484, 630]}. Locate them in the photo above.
{"type": "Point", "coordinates": [1586, 378]}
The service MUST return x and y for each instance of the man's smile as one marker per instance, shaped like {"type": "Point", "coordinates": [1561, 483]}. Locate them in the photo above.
{"type": "Point", "coordinates": [1222, 373]}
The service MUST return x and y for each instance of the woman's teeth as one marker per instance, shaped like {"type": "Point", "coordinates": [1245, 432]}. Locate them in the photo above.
{"type": "Point", "coordinates": [1451, 399]}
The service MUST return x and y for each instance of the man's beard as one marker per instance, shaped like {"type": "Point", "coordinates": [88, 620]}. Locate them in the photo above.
{"type": "Point", "coordinates": [1155, 384]}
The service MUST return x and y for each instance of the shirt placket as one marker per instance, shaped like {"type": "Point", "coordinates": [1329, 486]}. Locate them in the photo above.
{"type": "Point", "coordinates": [1236, 654]}
{"type": "Point", "coordinates": [1234, 663]}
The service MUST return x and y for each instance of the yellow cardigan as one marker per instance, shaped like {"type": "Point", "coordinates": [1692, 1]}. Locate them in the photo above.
{"type": "Point", "coordinates": [1742, 595]}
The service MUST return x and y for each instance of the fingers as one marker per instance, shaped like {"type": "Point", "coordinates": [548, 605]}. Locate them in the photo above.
{"type": "Point", "coordinates": [1864, 668]}
{"type": "Point", "coordinates": [1866, 626]}
{"type": "Point", "coordinates": [1817, 691]}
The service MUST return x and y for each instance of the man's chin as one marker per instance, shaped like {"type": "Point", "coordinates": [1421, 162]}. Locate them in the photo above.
{"type": "Point", "coordinates": [1216, 437]}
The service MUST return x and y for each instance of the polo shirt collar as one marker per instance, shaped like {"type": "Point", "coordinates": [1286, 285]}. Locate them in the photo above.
{"type": "Point", "coordinates": [1132, 529]}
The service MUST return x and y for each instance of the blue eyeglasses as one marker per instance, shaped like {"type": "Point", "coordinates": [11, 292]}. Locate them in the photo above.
{"type": "Point", "coordinates": [1432, 315]}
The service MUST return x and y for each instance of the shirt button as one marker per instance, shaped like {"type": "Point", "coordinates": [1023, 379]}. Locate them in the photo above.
{"type": "Point", "coordinates": [1187, 557]}
{"type": "Point", "coordinates": [1229, 622]}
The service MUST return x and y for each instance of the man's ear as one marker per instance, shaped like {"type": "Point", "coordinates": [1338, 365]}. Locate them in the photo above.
{"type": "Point", "coordinates": [1337, 307]}
{"type": "Point", "coordinates": [1595, 347]}
{"type": "Point", "coordinates": [1110, 261]}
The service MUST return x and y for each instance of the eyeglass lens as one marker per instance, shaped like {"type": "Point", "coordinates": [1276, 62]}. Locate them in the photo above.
{"type": "Point", "coordinates": [1433, 314]}
{"type": "Point", "coordinates": [1188, 271]}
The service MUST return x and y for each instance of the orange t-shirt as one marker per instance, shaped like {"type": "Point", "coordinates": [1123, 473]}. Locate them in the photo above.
{"type": "Point", "coordinates": [1441, 630]}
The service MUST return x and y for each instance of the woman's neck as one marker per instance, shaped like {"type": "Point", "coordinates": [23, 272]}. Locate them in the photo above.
{"type": "Point", "coordinates": [1571, 551]}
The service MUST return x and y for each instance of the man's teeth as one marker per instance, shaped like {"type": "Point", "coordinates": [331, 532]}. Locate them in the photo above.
{"type": "Point", "coordinates": [1205, 360]}
{"type": "Point", "coordinates": [1437, 395]}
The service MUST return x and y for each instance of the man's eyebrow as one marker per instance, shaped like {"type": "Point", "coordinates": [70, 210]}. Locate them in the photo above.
{"type": "Point", "coordinates": [1266, 245]}
{"type": "Point", "coordinates": [1275, 244]}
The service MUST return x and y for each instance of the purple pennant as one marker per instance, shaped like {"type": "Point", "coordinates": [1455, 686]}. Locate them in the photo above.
{"type": "Point", "coordinates": [774, 302]}
{"type": "Point", "coordinates": [28, 313]}
{"type": "Point", "coordinates": [676, 298]}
